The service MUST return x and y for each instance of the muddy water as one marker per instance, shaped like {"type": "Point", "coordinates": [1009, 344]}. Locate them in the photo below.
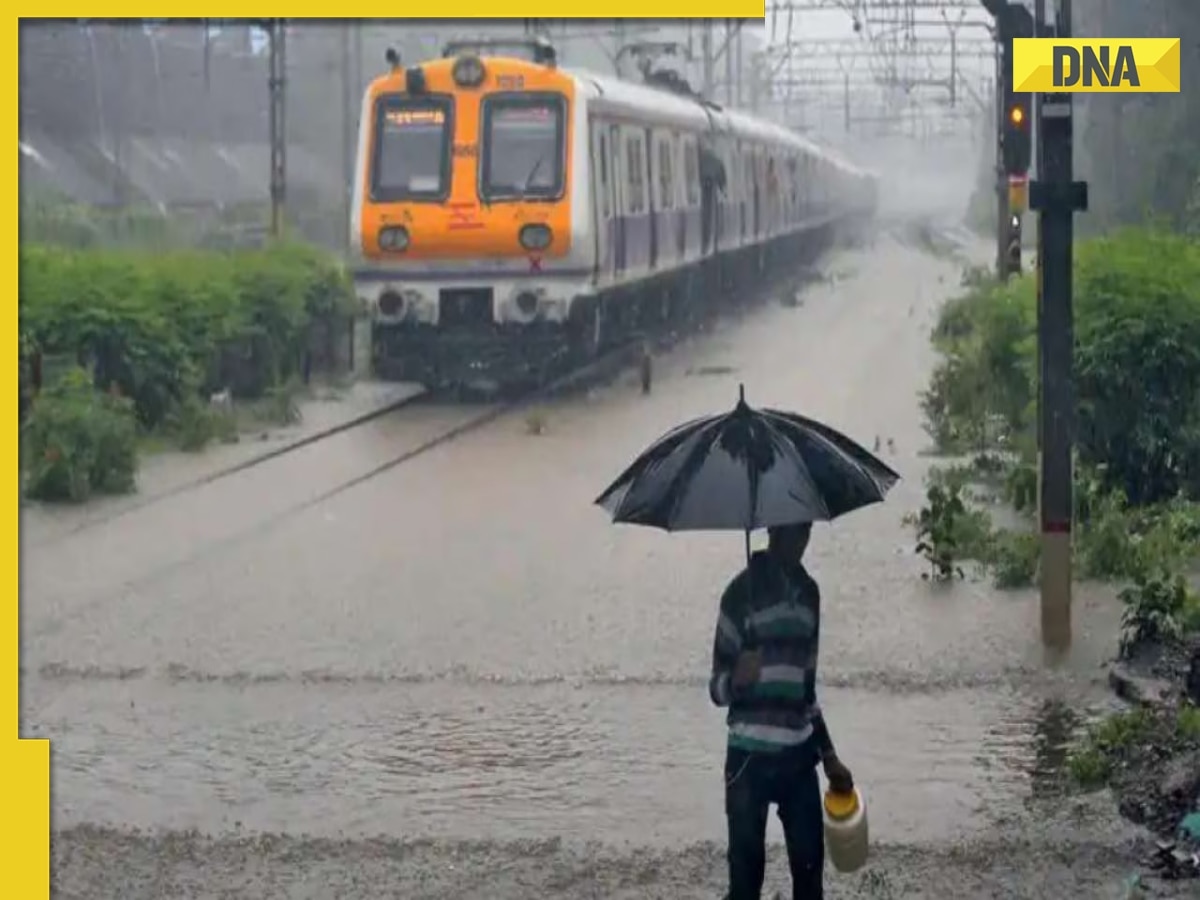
{"type": "Point", "coordinates": [464, 647]}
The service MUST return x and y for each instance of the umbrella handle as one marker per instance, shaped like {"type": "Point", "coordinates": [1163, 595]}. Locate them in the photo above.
{"type": "Point", "coordinates": [746, 626]}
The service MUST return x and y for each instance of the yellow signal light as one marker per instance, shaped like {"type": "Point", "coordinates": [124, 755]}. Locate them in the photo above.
{"type": "Point", "coordinates": [1017, 115]}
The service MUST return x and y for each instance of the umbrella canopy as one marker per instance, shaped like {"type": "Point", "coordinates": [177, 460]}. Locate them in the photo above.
{"type": "Point", "coordinates": [747, 469]}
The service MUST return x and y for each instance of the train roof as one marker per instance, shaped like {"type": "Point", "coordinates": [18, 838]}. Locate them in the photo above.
{"type": "Point", "coordinates": [642, 98]}
{"type": "Point", "coordinates": [693, 113]}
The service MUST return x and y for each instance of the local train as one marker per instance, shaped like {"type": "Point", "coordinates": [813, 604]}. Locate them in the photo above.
{"type": "Point", "coordinates": [509, 214]}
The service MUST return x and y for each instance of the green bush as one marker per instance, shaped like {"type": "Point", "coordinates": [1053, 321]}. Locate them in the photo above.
{"type": "Point", "coordinates": [1092, 760]}
{"type": "Point", "coordinates": [1157, 608]}
{"type": "Point", "coordinates": [79, 441]}
{"type": "Point", "coordinates": [1014, 558]}
{"type": "Point", "coordinates": [166, 327]}
{"type": "Point", "coordinates": [1137, 365]}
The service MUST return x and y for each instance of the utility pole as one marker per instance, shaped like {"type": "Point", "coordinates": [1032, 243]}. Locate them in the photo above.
{"type": "Point", "coordinates": [727, 49]}
{"type": "Point", "coordinates": [1057, 197]}
{"type": "Point", "coordinates": [349, 132]}
{"type": "Point", "coordinates": [706, 42]}
{"type": "Point", "coordinates": [277, 32]}
{"type": "Point", "coordinates": [739, 70]}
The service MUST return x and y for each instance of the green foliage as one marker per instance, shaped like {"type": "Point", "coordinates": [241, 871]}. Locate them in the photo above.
{"type": "Point", "coordinates": [981, 393]}
{"type": "Point", "coordinates": [1137, 369]}
{"type": "Point", "coordinates": [79, 441]}
{"type": "Point", "coordinates": [169, 327]}
{"type": "Point", "coordinates": [948, 530]}
{"type": "Point", "coordinates": [1187, 724]}
{"type": "Point", "coordinates": [1092, 762]}
{"type": "Point", "coordinates": [1014, 558]}
{"type": "Point", "coordinates": [1155, 606]}
{"type": "Point", "coordinates": [195, 424]}
{"type": "Point", "coordinates": [1137, 362]}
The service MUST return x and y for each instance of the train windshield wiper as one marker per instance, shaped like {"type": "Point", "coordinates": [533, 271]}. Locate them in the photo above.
{"type": "Point", "coordinates": [524, 189]}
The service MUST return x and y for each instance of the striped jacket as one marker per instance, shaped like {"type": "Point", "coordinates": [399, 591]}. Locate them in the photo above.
{"type": "Point", "coordinates": [777, 612]}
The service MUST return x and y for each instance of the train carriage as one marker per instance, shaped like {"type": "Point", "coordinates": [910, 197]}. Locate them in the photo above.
{"type": "Point", "coordinates": [511, 216]}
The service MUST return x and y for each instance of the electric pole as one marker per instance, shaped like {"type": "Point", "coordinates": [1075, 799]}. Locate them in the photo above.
{"type": "Point", "coordinates": [349, 133]}
{"type": "Point", "coordinates": [1056, 196]}
{"type": "Point", "coordinates": [727, 49]}
{"type": "Point", "coordinates": [277, 32]}
{"type": "Point", "coordinates": [706, 41]}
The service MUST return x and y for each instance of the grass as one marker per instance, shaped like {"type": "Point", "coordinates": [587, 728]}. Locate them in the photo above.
{"type": "Point", "coordinates": [1187, 724]}
{"type": "Point", "coordinates": [1121, 739]}
{"type": "Point", "coordinates": [1092, 762]}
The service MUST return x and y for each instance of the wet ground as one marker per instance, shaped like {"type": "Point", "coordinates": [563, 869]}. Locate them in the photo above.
{"type": "Point", "coordinates": [462, 655]}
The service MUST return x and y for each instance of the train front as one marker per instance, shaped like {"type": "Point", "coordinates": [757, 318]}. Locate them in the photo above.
{"type": "Point", "coordinates": [463, 218]}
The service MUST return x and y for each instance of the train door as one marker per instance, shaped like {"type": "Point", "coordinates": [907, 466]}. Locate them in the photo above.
{"type": "Point", "coordinates": [616, 182]}
{"type": "Point", "coordinates": [705, 177]}
{"type": "Point", "coordinates": [652, 208]}
{"type": "Point", "coordinates": [601, 199]}
{"type": "Point", "coordinates": [756, 172]}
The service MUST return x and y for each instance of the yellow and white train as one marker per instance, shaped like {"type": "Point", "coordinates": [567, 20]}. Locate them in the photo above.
{"type": "Point", "coordinates": [510, 214]}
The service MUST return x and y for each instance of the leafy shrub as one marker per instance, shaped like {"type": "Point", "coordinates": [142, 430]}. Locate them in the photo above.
{"type": "Point", "coordinates": [948, 531]}
{"type": "Point", "coordinates": [1155, 608]}
{"type": "Point", "coordinates": [1137, 364]}
{"type": "Point", "coordinates": [165, 327]}
{"type": "Point", "coordinates": [1014, 558]}
{"type": "Point", "coordinates": [80, 441]}
{"type": "Point", "coordinates": [195, 424]}
{"type": "Point", "coordinates": [1093, 759]}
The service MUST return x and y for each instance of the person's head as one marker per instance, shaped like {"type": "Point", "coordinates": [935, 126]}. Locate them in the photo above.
{"type": "Point", "coordinates": [788, 542]}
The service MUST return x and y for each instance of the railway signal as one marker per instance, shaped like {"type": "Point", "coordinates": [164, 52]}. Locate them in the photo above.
{"type": "Point", "coordinates": [1012, 256]}
{"type": "Point", "coordinates": [1018, 202]}
{"type": "Point", "coordinates": [1017, 135]}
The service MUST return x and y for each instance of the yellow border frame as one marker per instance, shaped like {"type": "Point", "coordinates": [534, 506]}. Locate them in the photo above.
{"type": "Point", "coordinates": [26, 763]}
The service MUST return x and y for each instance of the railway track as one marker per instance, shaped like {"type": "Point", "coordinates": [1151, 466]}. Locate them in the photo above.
{"type": "Point", "coordinates": [617, 359]}
{"type": "Point", "coordinates": [619, 355]}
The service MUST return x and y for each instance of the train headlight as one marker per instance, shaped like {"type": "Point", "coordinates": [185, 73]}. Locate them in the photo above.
{"type": "Point", "coordinates": [391, 303]}
{"type": "Point", "coordinates": [468, 72]}
{"type": "Point", "coordinates": [527, 304]}
{"type": "Point", "coordinates": [535, 237]}
{"type": "Point", "coordinates": [394, 238]}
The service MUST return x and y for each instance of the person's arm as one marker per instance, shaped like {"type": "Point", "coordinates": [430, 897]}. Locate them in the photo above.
{"type": "Point", "coordinates": [824, 742]}
{"type": "Point", "coordinates": [727, 644]}
{"type": "Point", "coordinates": [839, 776]}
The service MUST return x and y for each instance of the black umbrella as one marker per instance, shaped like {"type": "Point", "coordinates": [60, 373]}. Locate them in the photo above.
{"type": "Point", "coordinates": [747, 469]}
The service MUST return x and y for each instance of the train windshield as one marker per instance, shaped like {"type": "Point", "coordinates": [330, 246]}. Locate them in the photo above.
{"type": "Point", "coordinates": [523, 146]}
{"type": "Point", "coordinates": [412, 148]}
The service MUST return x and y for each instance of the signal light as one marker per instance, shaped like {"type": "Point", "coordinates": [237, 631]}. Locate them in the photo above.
{"type": "Point", "coordinates": [1017, 115]}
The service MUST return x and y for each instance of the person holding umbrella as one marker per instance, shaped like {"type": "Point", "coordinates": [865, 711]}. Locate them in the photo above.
{"type": "Point", "coordinates": [764, 670]}
{"type": "Point", "coordinates": [741, 471]}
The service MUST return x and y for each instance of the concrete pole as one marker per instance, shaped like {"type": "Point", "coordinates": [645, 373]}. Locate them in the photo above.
{"type": "Point", "coordinates": [1057, 196]}
{"type": "Point", "coordinates": [349, 121]}
{"type": "Point", "coordinates": [706, 42]}
{"type": "Point", "coordinates": [278, 126]}
{"type": "Point", "coordinates": [728, 51]}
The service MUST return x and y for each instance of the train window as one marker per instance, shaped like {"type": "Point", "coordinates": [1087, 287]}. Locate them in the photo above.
{"type": "Point", "coordinates": [524, 142]}
{"type": "Point", "coordinates": [636, 173]}
{"type": "Point", "coordinates": [666, 181]}
{"type": "Point", "coordinates": [691, 173]}
{"type": "Point", "coordinates": [411, 157]}
{"type": "Point", "coordinates": [604, 205]}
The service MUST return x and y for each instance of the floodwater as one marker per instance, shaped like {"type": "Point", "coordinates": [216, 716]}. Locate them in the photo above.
{"type": "Point", "coordinates": [464, 648]}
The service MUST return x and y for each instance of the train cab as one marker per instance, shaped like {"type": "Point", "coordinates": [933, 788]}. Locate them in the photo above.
{"type": "Point", "coordinates": [464, 194]}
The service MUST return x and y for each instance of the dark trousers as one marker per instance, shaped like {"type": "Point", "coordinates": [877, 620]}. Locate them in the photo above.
{"type": "Point", "coordinates": [753, 781]}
